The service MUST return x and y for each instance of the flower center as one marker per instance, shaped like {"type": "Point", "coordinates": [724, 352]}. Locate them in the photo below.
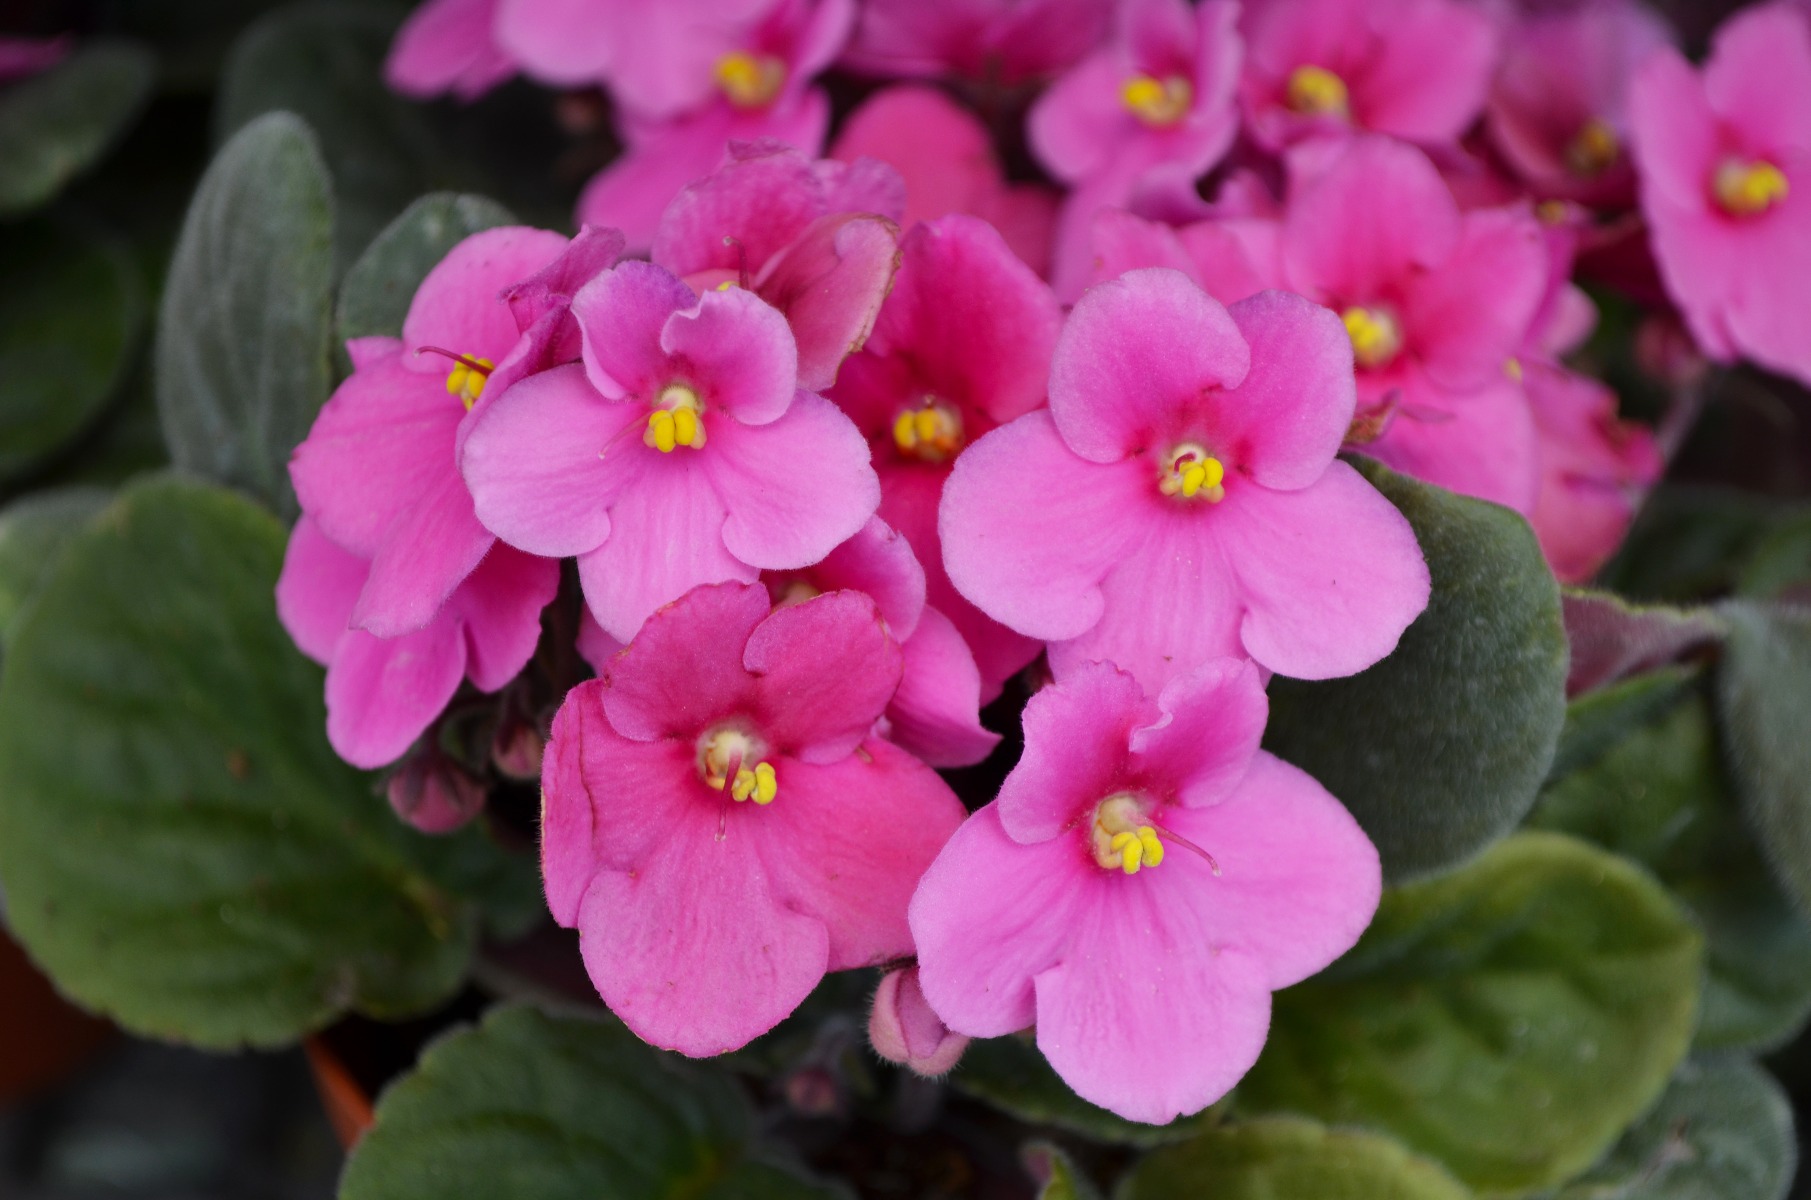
{"type": "Point", "coordinates": [1121, 838]}
{"type": "Point", "coordinates": [1748, 189]}
{"type": "Point", "coordinates": [750, 80]}
{"type": "Point", "coordinates": [1593, 148]}
{"type": "Point", "coordinates": [931, 432]}
{"type": "Point", "coordinates": [675, 420]}
{"type": "Point", "coordinates": [467, 378]}
{"type": "Point", "coordinates": [1318, 92]}
{"type": "Point", "coordinates": [729, 755]}
{"type": "Point", "coordinates": [1158, 102]}
{"type": "Point", "coordinates": [1190, 472]}
{"type": "Point", "coordinates": [1376, 335]}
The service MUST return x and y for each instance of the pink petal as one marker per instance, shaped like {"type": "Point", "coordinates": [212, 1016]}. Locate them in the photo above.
{"type": "Point", "coordinates": [1285, 421]}
{"type": "Point", "coordinates": [879, 561]}
{"type": "Point", "coordinates": [317, 589]}
{"type": "Point", "coordinates": [429, 550]}
{"type": "Point", "coordinates": [1076, 123]}
{"type": "Point", "coordinates": [568, 856]}
{"type": "Point", "coordinates": [1076, 733]}
{"type": "Point", "coordinates": [1213, 719]}
{"type": "Point", "coordinates": [594, 251]}
{"type": "Point", "coordinates": [622, 315]}
{"type": "Point", "coordinates": [737, 352]}
{"type": "Point", "coordinates": [825, 671]}
{"type": "Point", "coordinates": [1467, 318]}
{"type": "Point", "coordinates": [1235, 257]}
{"type": "Point", "coordinates": [684, 670]}
{"type": "Point", "coordinates": [1378, 213]}
{"type": "Point", "coordinates": [562, 42]}
{"type": "Point", "coordinates": [499, 607]}
{"type": "Point", "coordinates": [1123, 242]}
{"type": "Point", "coordinates": [939, 148]}
{"type": "Point", "coordinates": [903, 1029]}
{"type": "Point", "coordinates": [1753, 53]}
{"type": "Point", "coordinates": [743, 214]}
{"type": "Point", "coordinates": [447, 45]}
{"type": "Point", "coordinates": [1479, 443]}
{"type": "Point", "coordinates": [830, 284]}
{"type": "Point", "coordinates": [936, 713]}
{"type": "Point", "coordinates": [460, 306]}
{"type": "Point", "coordinates": [382, 693]}
{"type": "Point", "coordinates": [1674, 131]}
{"type": "Point", "coordinates": [1433, 68]}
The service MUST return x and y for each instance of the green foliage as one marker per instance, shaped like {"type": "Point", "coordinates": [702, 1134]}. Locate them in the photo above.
{"type": "Point", "coordinates": [1764, 706]}
{"type": "Point", "coordinates": [1508, 1020]}
{"type": "Point", "coordinates": [1781, 562]}
{"type": "Point", "coordinates": [531, 1105]}
{"type": "Point", "coordinates": [1440, 749]}
{"type": "Point", "coordinates": [1063, 1180]}
{"type": "Point", "coordinates": [1688, 543]}
{"type": "Point", "coordinates": [1597, 721]}
{"type": "Point", "coordinates": [242, 341]}
{"type": "Point", "coordinates": [375, 296]}
{"type": "Point", "coordinates": [34, 532]}
{"type": "Point", "coordinates": [56, 125]}
{"type": "Point", "coordinates": [1289, 1159]}
{"type": "Point", "coordinates": [180, 848]}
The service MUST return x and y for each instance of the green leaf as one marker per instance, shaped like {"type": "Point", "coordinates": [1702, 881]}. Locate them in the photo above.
{"type": "Point", "coordinates": [71, 315]}
{"type": "Point", "coordinates": [56, 125]}
{"type": "Point", "coordinates": [1508, 1020]}
{"type": "Point", "coordinates": [1010, 1074]}
{"type": "Point", "coordinates": [1688, 543]}
{"type": "Point", "coordinates": [180, 848]}
{"type": "Point", "coordinates": [1288, 1159]}
{"type": "Point", "coordinates": [532, 1105]}
{"type": "Point", "coordinates": [1439, 749]}
{"type": "Point", "coordinates": [375, 297]}
{"type": "Point", "coordinates": [242, 343]}
{"type": "Point", "coordinates": [1660, 799]}
{"type": "Point", "coordinates": [34, 532]}
{"type": "Point", "coordinates": [1596, 721]}
{"type": "Point", "coordinates": [1764, 710]}
{"type": "Point", "coordinates": [1781, 563]}
{"type": "Point", "coordinates": [1061, 1178]}
{"type": "Point", "coordinates": [1722, 1131]}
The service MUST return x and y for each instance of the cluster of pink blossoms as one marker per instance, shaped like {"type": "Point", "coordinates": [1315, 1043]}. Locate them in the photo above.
{"type": "Point", "coordinates": [854, 440]}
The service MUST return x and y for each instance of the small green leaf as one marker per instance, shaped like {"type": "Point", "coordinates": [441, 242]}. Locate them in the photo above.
{"type": "Point", "coordinates": [531, 1105]}
{"type": "Point", "coordinates": [242, 342]}
{"type": "Point", "coordinates": [1062, 1179]}
{"type": "Point", "coordinates": [1722, 1131]}
{"type": "Point", "coordinates": [56, 125]}
{"type": "Point", "coordinates": [375, 297]}
{"type": "Point", "coordinates": [1010, 1074]}
{"type": "Point", "coordinates": [1508, 1020]}
{"type": "Point", "coordinates": [1612, 639]}
{"type": "Point", "coordinates": [180, 848]}
{"type": "Point", "coordinates": [1287, 1159]}
{"type": "Point", "coordinates": [1439, 749]}
{"type": "Point", "coordinates": [34, 532]}
{"type": "Point", "coordinates": [1596, 721]}
{"type": "Point", "coordinates": [71, 315]}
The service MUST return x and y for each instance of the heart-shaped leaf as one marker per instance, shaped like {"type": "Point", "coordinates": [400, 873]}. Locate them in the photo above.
{"type": "Point", "coordinates": [56, 125]}
{"type": "Point", "coordinates": [375, 297]}
{"type": "Point", "coordinates": [1282, 1158]}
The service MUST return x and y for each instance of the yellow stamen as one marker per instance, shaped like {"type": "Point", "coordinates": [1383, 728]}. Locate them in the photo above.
{"type": "Point", "coordinates": [1376, 337]}
{"type": "Point", "coordinates": [727, 746]}
{"type": "Point", "coordinates": [750, 80]}
{"type": "Point", "coordinates": [931, 433]}
{"type": "Point", "coordinates": [1593, 148]}
{"type": "Point", "coordinates": [1122, 840]}
{"type": "Point", "coordinates": [1193, 472]}
{"type": "Point", "coordinates": [1318, 92]}
{"type": "Point", "coordinates": [767, 786]}
{"type": "Point", "coordinates": [466, 383]}
{"type": "Point", "coordinates": [1158, 102]}
{"type": "Point", "coordinates": [1748, 189]}
{"type": "Point", "coordinates": [675, 421]}
{"type": "Point", "coordinates": [1512, 367]}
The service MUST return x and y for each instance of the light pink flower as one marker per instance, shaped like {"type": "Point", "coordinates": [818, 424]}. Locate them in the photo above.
{"type": "Point", "coordinates": [1146, 878]}
{"type": "Point", "coordinates": [903, 1029]}
{"type": "Point", "coordinates": [1414, 69]}
{"type": "Point", "coordinates": [1725, 164]}
{"type": "Point", "coordinates": [989, 41]}
{"type": "Point", "coordinates": [1156, 101]}
{"type": "Point", "coordinates": [817, 240]}
{"type": "Point", "coordinates": [962, 345]}
{"type": "Point", "coordinates": [448, 46]}
{"type": "Point", "coordinates": [382, 693]}
{"type": "Point", "coordinates": [704, 919]}
{"type": "Point", "coordinates": [24, 57]}
{"type": "Point", "coordinates": [947, 160]}
{"type": "Point", "coordinates": [1180, 500]}
{"type": "Point", "coordinates": [681, 451]}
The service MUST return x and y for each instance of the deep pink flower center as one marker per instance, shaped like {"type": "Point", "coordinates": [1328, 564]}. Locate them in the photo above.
{"type": "Point", "coordinates": [1748, 187]}
{"type": "Point", "coordinates": [1186, 471]}
{"type": "Point", "coordinates": [732, 755]}
{"type": "Point", "coordinates": [1375, 332]}
{"type": "Point", "coordinates": [930, 431]}
{"type": "Point", "coordinates": [750, 79]}
{"type": "Point", "coordinates": [1158, 102]}
{"type": "Point", "coordinates": [1317, 92]}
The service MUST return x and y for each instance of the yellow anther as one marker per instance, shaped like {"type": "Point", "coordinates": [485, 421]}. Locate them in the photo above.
{"type": "Point", "coordinates": [728, 748]}
{"type": "Point", "coordinates": [931, 432]}
{"type": "Point", "coordinates": [1121, 839]}
{"type": "Point", "coordinates": [675, 421]}
{"type": "Point", "coordinates": [1376, 337]}
{"type": "Point", "coordinates": [1512, 367]}
{"type": "Point", "coordinates": [905, 432]}
{"type": "Point", "coordinates": [685, 426]}
{"type": "Point", "coordinates": [1158, 102]}
{"type": "Point", "coordinates": [661, 433]}
{"type": "Point", "coordinates": [1193, 472]}
{"type": "Point", "coordinates": [1593, 148]}
{"type": "Point", "coordinates": [767, 786]}
{"type": "Point", "coordinates": [466, 383]}
{"type": "Point", "coordinates": [1748, 189]}
{"type": "Point", "coordinates": [750, 80]}
{"type": "Point", "coordinates": [726, 285]}
{"type": "Point", "coordinates": [1130, 850]}
{"type": "Point", "coordinates": [1153, 849]}
{"type": "Point", "coordinates": [1316, 91]}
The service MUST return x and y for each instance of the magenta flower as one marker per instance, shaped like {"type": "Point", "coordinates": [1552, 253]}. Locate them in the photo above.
{"type": "Point", "coordinates": [1146, 878]}
{"type": "Point", "coordinates": [962, 345]}
{"type": "Point", "coordinates": [1156, 101]}
{"type": "Point", "coordinates": [681, 451]}
{"type": "Point", "coordinates": [448, 46]}
{"type": "Point", "coordinates": [382, 693]}
{"type": "Point", "coordinates": [817, 240]}
{"type": "Point", "coordinates": [990, 41]}
{"type": "Point", "coordinates": [1180, 500]}
{"type": "Point", "coordinates": [1558, 110]}
{"type": "Point", "coordinates": [903, 1029]}
{"type": "Point", "coordinates": [1725, 165]}
{"type": "Point", "coordinates": [1414, 69]}
{"type": "Point", "coordinates": [378, 472]}
{"type": "Point", "coordinates": [719, 824]}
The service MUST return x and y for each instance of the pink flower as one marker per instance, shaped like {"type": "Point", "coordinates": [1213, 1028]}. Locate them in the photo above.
{"type": "Point", "coordinates": [1146, 878]}
{"type": "Point", "coordinates": [1414, 69]}
{"type": "Point", "coordinates": [448, 46]}
{"type": "Point", "coordinates": [1558, 108]}
{"type": "Point", "coordinates": [21, 58]}
{"type": "Point", "coordinates": [719, 824]}
{"type": "Point", "coordinates": [378, 472]}
{"type": "Point", "coordinates": [817, 240]}
{"type": "Point", "coordinates": [947, 160]}
{"type": "Point", "coordinates": [382, 693]}
{"type": "Point", "coordinates": [962, 345]}
{"type": "Point", "coordinates": [903, 1029]}
{"type": "Point", "coordinates": [991, 41]}
{"type": "Point", "coordinates": [1725, 165]}
{"type": "Point", "coordinates": [1156, 101]}
{"type": "Point", "coordinates": [681, 451]}
{"type": "Point", "coordinates": [1180, 500]}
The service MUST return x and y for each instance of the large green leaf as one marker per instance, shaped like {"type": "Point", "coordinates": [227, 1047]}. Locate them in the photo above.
{"type": "Point", "coordinates": [375, 297]}
{"type": "Point", "coordinates": [1508, 1020]}
{"type": "Point", "coordinates": [180, 848]}
{"type": "Point", "coordinates": [242, 343]}
{"type": "Point", "coordinates": [34, 532]}
{"type": "Point", "coordinates": [1010, 1074]}
{"type": "Point", "coordinates": [70, 318]}
{"type": "Point", "coordinates": [1439, 749]}
{"type": "Point", "coordinates": [531, 1105]}
{"type": "Point", "coordinates": [1764, 706]}
{"type": "Point", "coordinates": [1659, 798]}
{"type": "Point", "coordinates": [1722, 1131]}
{"type": "Point", "coordinates": [56, 125]}
{"type": "Point", "coordinates": [1287, 1159]}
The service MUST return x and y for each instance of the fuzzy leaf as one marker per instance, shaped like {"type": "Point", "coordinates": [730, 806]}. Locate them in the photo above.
{"type": "Point", "coordinates": [1283, 1157]}
{"type": "Point", "coordinates": [1596, 721]}
{"type": "Point", "coordinates": [56, 125]}
{"type": "Point", "coordinates": [1764, 707]}
{"type": "Point", "coordinates": [375, 297]}
{"type": "Point", "coordinates": [34, 532]}
{"type": "Point", "coordinates": [1010, 1074]}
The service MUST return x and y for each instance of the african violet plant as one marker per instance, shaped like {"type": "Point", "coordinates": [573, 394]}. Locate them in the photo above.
{"type": "Point", "coordinates": [1068, 624]}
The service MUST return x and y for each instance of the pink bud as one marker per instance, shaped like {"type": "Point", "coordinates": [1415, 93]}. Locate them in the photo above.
{"type": "Point", "coordinates": [813, 1092]}
{"type": "Point", "coordinates": [903, 1029]}
{"type": "Point", "coordinates": [434, 795]}
{"type": "Point", "coordinates": [1665, 350]}
{"type": "Point", "coordinates": [516, 751]}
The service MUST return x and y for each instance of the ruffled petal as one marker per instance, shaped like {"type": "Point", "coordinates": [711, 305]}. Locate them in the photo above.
{"type": "Point", "coordinates": [317, 589]}
{"type": "Point", "coordinates": [1213, 719]}
{"type": "Point", "coordinates": [830, 283]}
{"type": "Point", "coordinates": [622, 317]}
{"type": "Point", "coordinates": [1285, 421]}
{"type": "Point", "coordinates": [459, 305]}
{"type": "Point", "coordinates": [1076, 734]}
{"type": "Point", "coordinates": [738, 352]}
{"type": "Point", "coordinates": [430, 549]}
{"type": "Point", "coordinates": [878, 560]}
{"type": "Point", "coordinates": [382, 693]}
{"type": "Point", "coordinates": [936, 713]}
{"type": "Point", "coordinates": [1377, 213]}
{"type": "Point", "coordinates": [499, 608]}
{"type": "Point", "coordinates": [684, 669]}
{"type": "Point", "coordinates": [825, 670]}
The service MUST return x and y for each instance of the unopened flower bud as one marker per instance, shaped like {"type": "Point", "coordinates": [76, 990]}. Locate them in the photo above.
{"type": "Point", "coordinates": [813, 1092]}
{"type": "Point", "coordinates": [903, 1029]}
{"type": "Point", "coordinates": [516, 751]}
{"type": "Point", "coordinates": [434, 795]}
